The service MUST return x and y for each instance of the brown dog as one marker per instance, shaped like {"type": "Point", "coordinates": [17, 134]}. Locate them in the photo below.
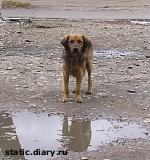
{"type": "Point", "coordinates": [77, 57]}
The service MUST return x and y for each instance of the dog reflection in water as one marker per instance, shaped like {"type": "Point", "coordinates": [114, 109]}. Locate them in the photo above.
{"type": "Point", "coordinates": [79, 134]}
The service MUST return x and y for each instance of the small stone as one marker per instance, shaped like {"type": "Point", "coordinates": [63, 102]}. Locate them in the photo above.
{"type": "Point", "coordinates": [39, 84]}
{"type": "Point", "coordinates": [116, 126]}
{"type": "Point", "coordinates": [1, 44]}
{"type": "Point", "coordinates": [26, 101]}
{"type": "Point", "coordinates": [102, 94]}
{"type": "Point", "coordinates": [45, 101]}
{"type": "Point", "coordinates": [122, 54]}
{"type": "Point", "coordinates": [9, 68]}
{"type": "Point", "coordinates": [27, 40]}
{"type": "Point", "coordinates": [147, 56]}
{"type": "Point", "coordinates": [49, 70]}
{"type": "Point", "coordinates": [41, 65]}
{"type": "Point", "coordinates": [13, 138]}
{"type": "Point", "coordinates": [36, 96]}
{"type": "Point", "coordinates": [109, 106]}
{"type": "Point", "coordinates": [147, 120]}
{"type": "Point", "coordinates": [18, 32]}
{"type": "Point", "coordinates": [136, 64]}
{"type": "Point", "coordinates": [143, 72]}
{"type": "Point", "coordinates": [36, 71]}
{"type": "Point", "coordinates": [13, 78]}
{"type": "Point", "coordinates": [50, 57]}
{"type": "Point", "coordinates": [129, 67]}
{"type": "Point", "coordinates": [44, 109]}
{"type": "Point", "coordinates": [25, 86]}
{"type": "Point", "coordinates": [146, 133]}
{"type": "Point", "coordinates": [3, 59]}
{"type": "Point", "coordinates": [131, 91]}
{"type": "Point", "coordinates": [33, 105]}
{"type": "Point", "coordinates": [84, 158]}
{"type": "Point", "coordinates": [83, 96]}
{"type": "Point", "coordinates": [124, 119]}
{"type": "Point", "coordinates": [13, 126]}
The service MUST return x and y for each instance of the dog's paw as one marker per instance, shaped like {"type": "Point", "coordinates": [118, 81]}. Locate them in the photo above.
{"type": "Point", "coordinates": [65, 100]}
{"type": "Point", "coordinates": [89, 92]}
{"type": "Point", "coordinates": [79, 100]}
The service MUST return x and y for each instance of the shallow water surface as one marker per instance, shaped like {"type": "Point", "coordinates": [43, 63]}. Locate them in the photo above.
{"type": "Point", "coordinates": [113, 53]}
{"type": "Point", "coordinates": [35, 133]}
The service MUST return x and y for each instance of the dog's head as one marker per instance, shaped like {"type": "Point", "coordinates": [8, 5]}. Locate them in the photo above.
{"type": "Point", "coordinates": [76, 43]}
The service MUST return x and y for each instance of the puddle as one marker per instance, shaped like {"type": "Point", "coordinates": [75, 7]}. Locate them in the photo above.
{"type": "Point", "coordinates": [31, 132]}
{"type": "Point", "coordinates": [112, 53]}
{"type": "Point", "coordinates": [141, 21]}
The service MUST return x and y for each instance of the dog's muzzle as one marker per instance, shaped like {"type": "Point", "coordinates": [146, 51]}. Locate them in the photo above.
{"type": "Point", "coordinates": [75, 49]}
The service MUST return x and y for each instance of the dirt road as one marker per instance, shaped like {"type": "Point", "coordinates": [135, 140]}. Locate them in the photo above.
{"type": "Point", "coordinates": [31, 79]}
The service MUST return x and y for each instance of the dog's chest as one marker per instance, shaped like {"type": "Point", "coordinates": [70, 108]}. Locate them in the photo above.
{"type": "Point", "coordinates": [76, 67]}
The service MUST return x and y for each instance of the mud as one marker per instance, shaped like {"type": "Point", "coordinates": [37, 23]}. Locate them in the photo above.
{"type": "Point", "coordinates": [31, 81]}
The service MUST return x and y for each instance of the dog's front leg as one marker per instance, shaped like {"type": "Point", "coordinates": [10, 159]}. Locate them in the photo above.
{"type": "Point", "coordinates": [66, 90]}
{"type": "Point", "coordinates": [78, 88]}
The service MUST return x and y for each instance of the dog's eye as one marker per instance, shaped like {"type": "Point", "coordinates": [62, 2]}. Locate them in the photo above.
{"type": "Point", "coordinates": [79, 41]}
{"type": "Point", "coordinates": [72, 41]}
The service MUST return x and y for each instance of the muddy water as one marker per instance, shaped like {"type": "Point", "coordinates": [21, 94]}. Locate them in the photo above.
{"type": "Point", "coordinates": [113, 53]}
{"type": "Point", "coordinates": [37, 132]}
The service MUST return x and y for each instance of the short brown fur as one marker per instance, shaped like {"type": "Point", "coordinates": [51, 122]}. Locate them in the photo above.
{"type": "Point", "coordinates": [77, 57]}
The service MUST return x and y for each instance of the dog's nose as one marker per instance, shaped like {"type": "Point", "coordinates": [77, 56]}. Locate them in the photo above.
{"type": "Point", "coordinates": [75, 49]}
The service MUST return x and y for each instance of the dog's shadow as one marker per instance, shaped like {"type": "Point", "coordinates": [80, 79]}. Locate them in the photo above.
{"type": "Point", "coordinates": [79, 134]}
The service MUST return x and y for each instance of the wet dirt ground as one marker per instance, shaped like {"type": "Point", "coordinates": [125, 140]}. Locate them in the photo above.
{"type": "Point", "coordinates": [31, 82]}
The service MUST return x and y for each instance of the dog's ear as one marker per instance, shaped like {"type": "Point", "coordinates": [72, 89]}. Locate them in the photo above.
{"type": "Point", "coordinates": [86, 42]}
{"type": "Point", "coordinates": [64, 42]}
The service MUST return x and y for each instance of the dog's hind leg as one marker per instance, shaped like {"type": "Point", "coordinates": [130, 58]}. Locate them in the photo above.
{"type": "Point", "coordinates": [89, 70]}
